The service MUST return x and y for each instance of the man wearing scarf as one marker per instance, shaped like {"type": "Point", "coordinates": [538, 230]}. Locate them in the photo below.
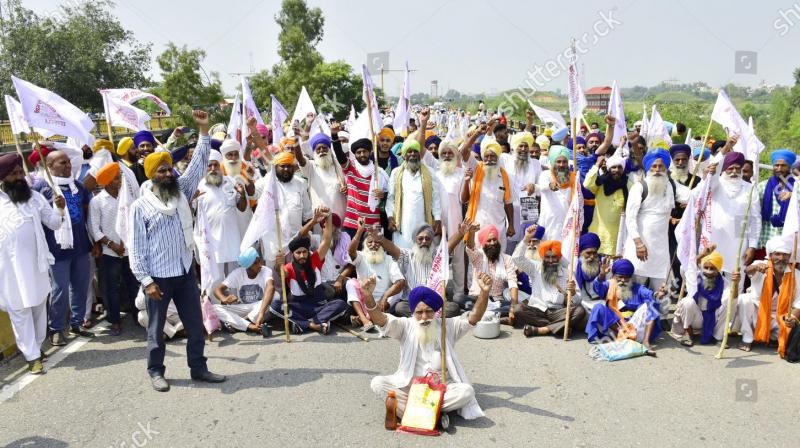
{"type": "Point", "coordinates": [630, 309]}
{"type": "Point", "coordinates": [420, 348]}
{"type": "Point", "coordinates": [488, 191]}
{"type": "Point", "coordinates": [706, 310]}
{"type": "Point", "coordinates": [413, 197]}
{"type": "Point", "coordinates": [775, 194]}
{"type": "Point", "coordinates": [25, 258]}
{"type": "Point", "coordinates": [309, 310]}
{"type": "Point", "coordinates": [490, 259]}
{"type": "Point", "coordinates": [240, 174]}
{"type": "Point", "coordinates": [610, 189]}
{"type": "Point", "coordinates": [679, 172]}
{"type": "Point", "coordinates": [70, 246]}
{"type": "Point", "coordinates": [545, 311]}
{"type": "Point", "coordinates": [161, 257]}
{"type": "Point", "coordinates": [771, 306]}
{"type": "Point", "coordinates": [587, 269]}
{"type": "Point", "coordinates": [523, 173]}
{"type": "Point", "coordinates": [556, 190]}
{"type": "Point", "coordinates": [325, 180]}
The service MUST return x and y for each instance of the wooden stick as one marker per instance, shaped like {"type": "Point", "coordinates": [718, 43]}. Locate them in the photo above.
{"type": "Point", "coordinates": [19, 151]}
{"type": "Point", "coordinates": [574, 242]}
{"type": "Point", "coordinates": [444, 333]}
{"type": "Point", "coordinates": [283, 275]}
{"type": "Point", "coordinates": [354, 333]}
{"type": "Point", "coordinates": [374, 142]}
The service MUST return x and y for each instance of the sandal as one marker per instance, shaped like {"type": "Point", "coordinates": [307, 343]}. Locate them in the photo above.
{"type": "Point", "coordinates": [529, 331]}
{"type": "Point", "coordinates": [745, 347]}
{"type": "Point", "coordinates": [686, 340]}
{"type": "Point", "coordinates": [326, 328]}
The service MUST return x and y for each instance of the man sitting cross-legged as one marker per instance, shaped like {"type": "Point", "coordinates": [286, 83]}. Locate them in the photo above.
{"type": "Point", "coordinates": [245, 295]}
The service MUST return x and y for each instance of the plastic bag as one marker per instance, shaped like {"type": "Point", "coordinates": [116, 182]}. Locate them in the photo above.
{"type": "Point", "coordinates": [210, 318]}
{"type": "Point", "coordinates": [423, 406]}
{"type": "Point", "coordinates": [615, 351]}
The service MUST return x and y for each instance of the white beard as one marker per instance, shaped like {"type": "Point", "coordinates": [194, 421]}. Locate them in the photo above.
{"type": "Point", "coordinates": [656, 185]}
{"type": "Point", "coordinates": [324, 163]}
{"type": "Point", "coordinates": [624, 292]}
{"type": "Point", "coordinates": [447, 167]}
{"type": "Point", "coordinates": [709, 283]}
{"type": "Point", "coordinates": [233, 168]}
{"type": "Point", "coordinates": [532, 254]}
{"type": "Point", "coordinates": [215, 180]}
{"type": "Point", "coordinates": [489, 171]}
{"type": "Point", "coordinates": [426, 334]}
{"type": "Point", "coordinates": [679, 174]}
{"type": "Point", "coordinates": [521, 165]}
{"type": "Point", "coordinates": [732, 186]}
{"type": "Point", "coordinates": [374, 257]}
{"type": "Point", "coordinates": [590, 269]}
{"type": "Point", "coordinates": [422, 255]}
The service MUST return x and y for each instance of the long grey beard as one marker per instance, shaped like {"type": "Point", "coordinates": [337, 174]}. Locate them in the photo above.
{"type": "Point", "coordinates": [213, 179]}
{"type": "Point", "coordinates": [521, 165]}
{"type": "Point", "coordinates": [422, 255]}
{"type": "Point", "coordinates": [426, 334]}
{"type": "Point", "coordinates": [732, 186]}
{"type": "Point", "coordinates": [624, 292]}
{"type": "Point", "coordinates": [447, 167]}
{"type": "Point", "coordinates": [590, 269]}
{"type": "Point", "coordinates": [656, 185]}
{"type": "Point", "coordinates": [709, 283]}
{"type": "Point", "coordinates": [490, 171]}
{"type": "Point", "coordinates": [679, 174]}
{"type": "Point", "coordinates": [233, 168]}
{"type": "Point", "coordinates": [550, 273]}
{"type": "Point", "coordinates": [562, 176]}
{"type": "Point", "coordinates": [374, 257]}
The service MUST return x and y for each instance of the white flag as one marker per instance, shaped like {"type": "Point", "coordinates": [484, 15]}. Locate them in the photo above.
{"type": "Point", "coordinates": [304, 106]}
{"type": "Point", "coordinates": [548, 116]}
{"type": "Point", "coordinates": [657, 130]}
{"type": "Point", "coordinates": [440, 269]}
{"type": "Point", "coordinates": [368, 95]}
{"type": "Point", "coordinates": [124, 115]}
{"type": "Point", "coordinates": [263, 221]}
{"type": "Point", "coordinates": [645, 123]}
{"type": "Point", "coordinates": [128, 193]}
{"type": "Point", "coordinates": [50, 114]}
{"type": "Point", "coordinates": [616, 111]}
{"type": "Point", "coordinates": [577, 100]}
{"type": "Point", "coordinates": [754, 147]}
{"type": "Point", "coordinates": [320, 125]}
{"type": "Point", "coordinates": [235, 122]}
{"type": "Point", "coordinates": [688, 140]}
{"type": "Point", "coordinates": [687, 238]}
{"type": "Point", "coordinates": [726, 115]}
{"type": "Point", "coordinates": [401, 112]}
{"type": "Point", "coordinates": [250, 109]}
{"type": "Point", "coordinates": [15, 116]}
{"type": "Point", "coordinates": [360, 128]}
{"type": "Point", "coordinates": [574, 221]}
{"type": "Point", "coordinates": [131, 96]}
{"type": "Point", "coordinates": [210, 273]}
{"type": "Point", "coordinates": [351, 119]}
{"type": "Point", "coordinates": [279, 116]}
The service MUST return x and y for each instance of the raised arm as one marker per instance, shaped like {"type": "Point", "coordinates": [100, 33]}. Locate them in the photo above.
{"type": "Point", "coordinates": [327, 237]}
{"type": "Point", "coordinates": [352, 248]}
{"type": "Point", "coordinates": [341, 157]}
{"type": "Point", "coordinates": [529, 120]}
{"type": "Point", "coordinates": [198, 166]}
{"type": "Point", "coordinates": [375, 314]}
{"type": "Point", "coordinates": [386, 243]}
{"type": "Point", "coordinates": [603, 148]}
{"type": "Point", "coordinates": [485, 283]}
{"type": "Point", "coordinates": [424, 116]}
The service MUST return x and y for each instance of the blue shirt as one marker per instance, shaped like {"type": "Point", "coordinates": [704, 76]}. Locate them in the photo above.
{"type": "Point", "coordinates": [77, 204]}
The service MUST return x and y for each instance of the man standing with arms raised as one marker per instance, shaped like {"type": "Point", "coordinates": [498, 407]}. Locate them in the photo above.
{"type": "Point", "coordinates": [161, 256]}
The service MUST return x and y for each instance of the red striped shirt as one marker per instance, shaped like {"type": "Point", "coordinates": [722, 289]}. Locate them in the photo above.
{"type": "Point", "coordinates": [358, 188]}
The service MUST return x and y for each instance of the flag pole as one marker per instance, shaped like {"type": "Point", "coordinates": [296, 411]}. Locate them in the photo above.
{"type": "Point", "coordinates": [735, 286]}
{"type": "Point", "coordinates": [108, 120]}
{"type": "Point", "coordinates": [56, 190]}
{"type": "Point", "coordinates": [372, 133]}
{"type": "Point", "coordinates": [445, 275]}
{"type": "Point", "coordinates": [574, 240]}
{"type": "Point", "coordinates": [283, 275]}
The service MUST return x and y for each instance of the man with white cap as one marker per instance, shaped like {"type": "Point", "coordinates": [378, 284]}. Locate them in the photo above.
{"type": "Point", "coordinates": [523, 173]}
{"type": "Point", "coordinates": [771, 306]}
{"type": "Point", "coordinates": [241, 173]}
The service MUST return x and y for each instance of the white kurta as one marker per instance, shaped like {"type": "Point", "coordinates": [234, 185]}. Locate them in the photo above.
{"type": "Point", "coordinates": [519, 180]}
{"type": "Point", "coordinates": [323, 185]}
{"type": "Point", "coordinates": [24, 257]}
{"type": "Point", "coordinates": [491, 206]}
{"type": "Point", "coordinates": [413, 205]}
{"type": "Point", "coordinates": [554, 207]}
{"type": "Point", "coordinates": [649, 220]}
{"type": "Point", "coordinates": [220, 207]}
{"type": "Point", "coordinates": [726, 218]}
{"type": "Point", "coordinates": [294, 209]}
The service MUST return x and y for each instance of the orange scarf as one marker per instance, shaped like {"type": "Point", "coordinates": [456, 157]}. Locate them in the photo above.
{"type": "Point", "coordinates": [475, 195]}
{"type": "Point", "coordinates": [569, 183]}
{"type": "Point", "coordinates": [785, 294]}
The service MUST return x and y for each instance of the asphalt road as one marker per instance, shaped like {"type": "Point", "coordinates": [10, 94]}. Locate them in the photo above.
{"type": "Point", "coordinates": [315, 391]}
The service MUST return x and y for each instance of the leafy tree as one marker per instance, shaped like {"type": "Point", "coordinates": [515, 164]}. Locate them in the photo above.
{"type": "Point", "coordinates": [74, 52]}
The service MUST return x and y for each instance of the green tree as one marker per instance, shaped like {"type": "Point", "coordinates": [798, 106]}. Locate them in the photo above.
{"type": "Point", "coordinates": [75, 51]}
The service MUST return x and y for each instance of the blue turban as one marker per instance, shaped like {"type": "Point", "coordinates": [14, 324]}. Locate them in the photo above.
{"type": "Point", "coordinates": [426, 295]}
{"type": "Point", "coordinates": [783, 154]}
{"type": "Point", "coordinates": [579, 140]}
{"type": "Point", "coordinates": [320, 138]}
{"type": "Point", "coordinates": [179, 153]}
{"type": "Point", "coordinates": [622, 267]}
{"type": "Point", "coordinates": [524, 283]}
{"type": "Point", "coordinates": [679, 148]}
{"type": "Point", "coordinates": [248, 257]}
{"type": "Point", "coordinates": [559, 134]}
{"type": "Point", "coordinates": [538, 234]}
{"type": "Point", "coordinates": [706, 153]}
{"type": "Point", "coordinates": [396, 148]}
{"type": "Point", "coordinates": [143, 136]}
{"type": "Point", "coordinates": [433, 139]}
{"type": "Point", "coordinates": [215, 144]}
{"type": "Point", "coordinates": [476, 148]}
{"type": "Point", "coordinates": [653, 155]}
{"type": "Point", "coordinates": [587, 241]}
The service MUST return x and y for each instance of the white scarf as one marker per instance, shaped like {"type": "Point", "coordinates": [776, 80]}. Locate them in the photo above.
{"type": "Point", "coordinates": [178, 205]}
{"type": "Point", "coordinates": [128, 193]}
{"type": "Point", "coordinates": [63, 235]}
{"type": "Point", "coordinates": [17, 213]}
{"type": "Point", "coordinates": [364, 170]}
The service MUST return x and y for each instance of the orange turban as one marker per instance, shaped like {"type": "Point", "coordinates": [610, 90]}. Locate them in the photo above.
{"type": "Point", "coordinates": [155, 160]}
{"type": "Point", "coordinates": [287, 141]}
{"type": "Point", "coordinates": [107, 174]}
{"type": "Point", "coordinates": [283, 158]}
{"type": "Point", "coordinates": [387, 132]}
{"type": "Point", "coordinates": [547, 246]}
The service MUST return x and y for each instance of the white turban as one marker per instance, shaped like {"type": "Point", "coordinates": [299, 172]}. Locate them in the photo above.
{"type": "Point", "coordinates": [615, 160]}
{"type": "Point", "coordinates": [229, 145]}
{"type": "Point", "coordinates": [779, 243]}
{"type": "Point", "coordinates": [215, 156]}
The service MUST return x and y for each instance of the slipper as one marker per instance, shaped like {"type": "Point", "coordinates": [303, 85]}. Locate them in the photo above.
{"type": "Point", "coordinates": [369, 327]}
{"type": "Point", "coordinates": [745, 347]}
{"type": "Point", "coordinates": [529, 331]}
{"type": "Point", "coordinates": [686, 340]}
{"type": "Point", "coordinates": [326, 328]}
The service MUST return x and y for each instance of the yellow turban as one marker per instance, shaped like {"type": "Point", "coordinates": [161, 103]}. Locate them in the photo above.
{"type": "Point", "coordinates": [124, 145]}
{"type": "Point", "coordinates": [548, 132]}
{"type": "Point", "coordinates": [107, 173]}
{"type": "Point", "coordinates": [521, 137]}
{"type": "Point", "coordinates": [544, 142]}
{"type": "Point", "coordinates": [102, 143]}
{"type": "Point", "coordinates": [429, 133]}
{"type": "Point", "coordinates": [490, 144]}
{"type": "Point", "coordinates": [219, 136]}
{"type": "Point", "coordinates": [715, 258]}
{"type": "Point", "coordinates": [283, 158]}
{"type": "Point", "coordinates": [387, 132]}
{"type": "Point", "coordinates": [155, 160]}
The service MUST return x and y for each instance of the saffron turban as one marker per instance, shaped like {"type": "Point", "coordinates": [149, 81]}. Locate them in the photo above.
{"type": "Point", "coordinates": [544, 142]}
{"type": "Point", "coordinates": [107, 174]}
{"type": "Point", "coordinates": [679, 148]}
{"type": "Point", "coordinates": [7, 164]}
{"type": "Point", "coordinates": [588, 241]}
{"type": "Point", "coordinates": [557, 151]}
{"type": "Point", "coordinates": [732, 158]}
{"type": "Point", "coordinates": [783, 154]}
{"type": "Point", "coordinates": [425, 295]}
{"type": "Point", "coordinates": [655, 154]}
{"type": "Point", "coordinates": [386, 132]}
{"type": "Point", "coordinates": [287, 141]}
{"type": "Point", "coordinates": [228, 146]}
{"type": "Point", "coordinates": [715, 258]}
{"type": "Point", "coordinates": [779, 244]}
{"type": "Point", "coordinates": [124, 146]}
{"type": "Point", "coordinates": [433, 139]}
{"type": "Point", "coordinates": [362, 143]}
{"type": "Point", "coordinates": [283, 158]}
{"type": "Point", "coordinates": [521, 137]}
{"type": "Point", "coordinates": [487, 232]}
{"type": "Point", "coordinates": [622, 267]}
{"type": "Point", "coordinates": [299, 243]}
{"type": "Point", "coordinates": [409, 145]}
{"type": "Point", "coordinates": [547, 246]}
{"type": "Point", "coordinates": [248, 257]}
{"type": "Point", "coordinates": [318, 139]}
{"type": "Point", "coordinates": [101, 143]}
{"type": "Point", "coordinates": [143, 136]}
{"type": "Point", "coordinates": [155, 160]}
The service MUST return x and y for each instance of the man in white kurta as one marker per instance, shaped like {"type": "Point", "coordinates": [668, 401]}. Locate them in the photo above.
{"type": "Point", "coordinates": [555, 189]}
{"type": "Point", "coordinates": [523, 174]}
{"type": "Point", "coordinates": [647, 222]}
{"type": "Point", "coordinates": [24, 257]}
{"type": "Point", "coordinates": [420, 348]}
{"type": "Point", "coordinates": [325, 179]}
{"type": "Point", "coordinates": [240, 174]}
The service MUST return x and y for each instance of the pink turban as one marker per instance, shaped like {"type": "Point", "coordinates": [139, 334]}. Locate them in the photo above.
{"type": "Point", "coordinates": [485, 233]}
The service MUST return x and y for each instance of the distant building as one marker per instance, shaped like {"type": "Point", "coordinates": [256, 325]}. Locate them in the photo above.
{"type": "Point", "coordinates": [598, 98]}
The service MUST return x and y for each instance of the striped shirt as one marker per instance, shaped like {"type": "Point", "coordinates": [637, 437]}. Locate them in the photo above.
{"type": "Point", "coordinates": [767, 229]}
{"type": "Point", "coordinates": [103, 220]}
{"type": "Point", "coordinates": [415, 273]}
{"type": "Point", "coordinates": [158, 248]}
{"type": "Point", "coordinates": [358, 188]}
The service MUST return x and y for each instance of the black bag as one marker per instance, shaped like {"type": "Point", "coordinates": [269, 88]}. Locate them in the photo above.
{"type": "Point", "coordinates": [793, 345]}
